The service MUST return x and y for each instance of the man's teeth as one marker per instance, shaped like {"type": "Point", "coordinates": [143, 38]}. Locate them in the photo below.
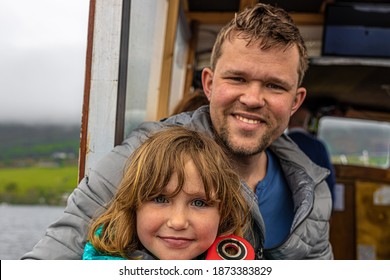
{"type": "Point", "coordinates": [245, 120]}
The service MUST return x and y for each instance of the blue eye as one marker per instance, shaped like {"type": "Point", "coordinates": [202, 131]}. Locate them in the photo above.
{"type": "Point", "coordinates": [199, 203]}
{"type": "Point", "coordinates": [273, 86]}
{"type": "Point", "coordinates": [238, 79]}
{"type": "Point", "coordinates": [160, 199]}
{"type": "Point", "coordinates": [276, 87]}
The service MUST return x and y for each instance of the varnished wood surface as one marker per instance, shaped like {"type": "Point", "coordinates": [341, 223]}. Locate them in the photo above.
{"type": "Point", "coordinates": [362, 229]}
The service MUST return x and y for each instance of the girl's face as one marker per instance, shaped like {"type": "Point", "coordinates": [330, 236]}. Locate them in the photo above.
{"type": "Point", "coordinates": [182, 227]}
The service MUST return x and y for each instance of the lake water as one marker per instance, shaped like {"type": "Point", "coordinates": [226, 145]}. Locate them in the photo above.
{"type": "Point", "coordinates": [23, 226]}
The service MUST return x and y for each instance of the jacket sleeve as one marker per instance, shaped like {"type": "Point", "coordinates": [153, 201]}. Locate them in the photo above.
{"type": "Point", "coordinates": [319, 219]}
{"type": "Point", "coordinates": [310, 239]}
{"type": "Point", "coordinates": [66, 238]}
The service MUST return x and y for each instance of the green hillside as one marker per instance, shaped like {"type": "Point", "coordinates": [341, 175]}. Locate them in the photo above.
{"type": "Point", "coordinates": [39, 142]}
{"type": "Point", "coordinates": [35, 185]}
{"type": "Point", "coordinates": [38, 164]}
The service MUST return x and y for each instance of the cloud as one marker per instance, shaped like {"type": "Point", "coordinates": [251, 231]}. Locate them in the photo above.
{"type": "Point", "coordinates": [42, 60]}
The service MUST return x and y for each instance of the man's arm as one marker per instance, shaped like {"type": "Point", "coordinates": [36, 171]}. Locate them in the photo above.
{"type": "Point", "coordinates": [322, 210]}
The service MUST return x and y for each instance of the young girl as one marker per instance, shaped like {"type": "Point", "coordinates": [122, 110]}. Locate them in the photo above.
{"type": "Point", "coordinates": [178, 194]}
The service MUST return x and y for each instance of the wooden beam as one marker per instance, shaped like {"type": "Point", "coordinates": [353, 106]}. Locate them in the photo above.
{"type": "Point", "coordinates": [87, 90]}
{"type": "Point", "coordinates": [166, 70]}
{"type": "Point", "coordinates": [225, 17]}
{"type": "Point", "coordinates": [247, 3]}
{"type": "Point", "coordinates": [210, 17]}
{"type": "Point", "coordinates": [308, 18]}
{"type": "Point", "coordinates": [191, 56]}
{"type": "Point", "coordinates": [122, 73]}
{"type": "Point", "coordinates": [185, 6]}
{"type": "Point", "coordinates": [101, 78]}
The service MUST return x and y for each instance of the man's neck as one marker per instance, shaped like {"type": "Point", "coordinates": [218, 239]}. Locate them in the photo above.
{"type": "Point", "coordinates": [251, 169]}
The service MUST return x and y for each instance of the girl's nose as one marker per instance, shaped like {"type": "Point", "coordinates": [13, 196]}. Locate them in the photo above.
{"type": "Point", "coordinates": [178, 220]}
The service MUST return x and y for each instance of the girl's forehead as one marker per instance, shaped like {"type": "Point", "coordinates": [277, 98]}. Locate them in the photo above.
{"type": "Point", "coordinates": [193, 183]}
{"type": "Point", "coordinates": [190, 186]}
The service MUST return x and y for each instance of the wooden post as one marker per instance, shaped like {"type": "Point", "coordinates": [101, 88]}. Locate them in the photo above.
{"type": "Point", "coordinates": [166, 70]}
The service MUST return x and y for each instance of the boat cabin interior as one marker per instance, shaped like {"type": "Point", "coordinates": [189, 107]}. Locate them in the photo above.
{"type": "Point", "coordinates": [144, 56]}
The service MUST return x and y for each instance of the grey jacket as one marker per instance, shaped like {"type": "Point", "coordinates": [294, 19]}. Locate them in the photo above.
{"type": "Point", "coordinates": [309, 235]}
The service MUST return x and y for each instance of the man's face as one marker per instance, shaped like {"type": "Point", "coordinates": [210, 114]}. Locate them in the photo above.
{"type": "Point", "coordinates": [252, 94]}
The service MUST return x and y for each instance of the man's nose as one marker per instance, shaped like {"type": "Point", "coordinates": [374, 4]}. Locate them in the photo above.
{"type": "Point", "coordinates": [253, 96]}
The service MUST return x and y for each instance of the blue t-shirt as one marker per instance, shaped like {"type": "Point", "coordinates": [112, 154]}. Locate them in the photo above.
{"type": "Point", "coordinates": [275, 203]}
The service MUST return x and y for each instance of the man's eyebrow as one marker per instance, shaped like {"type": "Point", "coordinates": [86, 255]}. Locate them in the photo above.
{"type": "Point", "coordinates": [269, 79]}
{"type": "Point", "coordinates": [233, 72]}
{"type": "Point", "coordinates": [277, 80]}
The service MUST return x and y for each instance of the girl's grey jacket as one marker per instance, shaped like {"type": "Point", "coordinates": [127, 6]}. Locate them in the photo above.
{"type": "Point", "coordinates": [309, 234]}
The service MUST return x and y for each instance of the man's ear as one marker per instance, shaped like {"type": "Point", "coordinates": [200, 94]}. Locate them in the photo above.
{"type": "Point", "coordinates": [298, 100]}
{"type": "Point", "coordinates": [207, 81]}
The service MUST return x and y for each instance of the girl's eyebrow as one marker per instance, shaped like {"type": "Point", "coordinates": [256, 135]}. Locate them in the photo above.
{"type": "Point", "coordinates": [201, 194]}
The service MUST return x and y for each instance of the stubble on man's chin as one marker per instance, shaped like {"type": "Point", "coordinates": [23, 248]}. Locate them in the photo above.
{"type": "Point", "coordinates": [238, 151]}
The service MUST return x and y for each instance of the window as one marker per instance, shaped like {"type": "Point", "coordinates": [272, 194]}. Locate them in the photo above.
{"type": "Point", "coordinates": [146, 40]}
{"type": "Point", "coordinates": [148, 27]}
{"type": "Point", "coordinates": [356, 142]}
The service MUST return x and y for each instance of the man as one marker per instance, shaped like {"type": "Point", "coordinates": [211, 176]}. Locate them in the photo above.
{"type": "Point", "coordinates": [314, 148]}
{"type": "Point", "coordinates": [253, 85]}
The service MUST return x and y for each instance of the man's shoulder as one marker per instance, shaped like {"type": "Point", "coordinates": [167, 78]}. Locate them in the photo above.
{"type": "Point", "coordinates": [198, 120]}
{"type": "Point", "coordinates": [199, 114]}
{"type": "Point", "coordinates": [287, 149]}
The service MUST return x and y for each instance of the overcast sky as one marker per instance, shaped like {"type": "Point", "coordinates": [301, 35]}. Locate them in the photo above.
{"type": "Point", "coordinates": [42, 60]}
